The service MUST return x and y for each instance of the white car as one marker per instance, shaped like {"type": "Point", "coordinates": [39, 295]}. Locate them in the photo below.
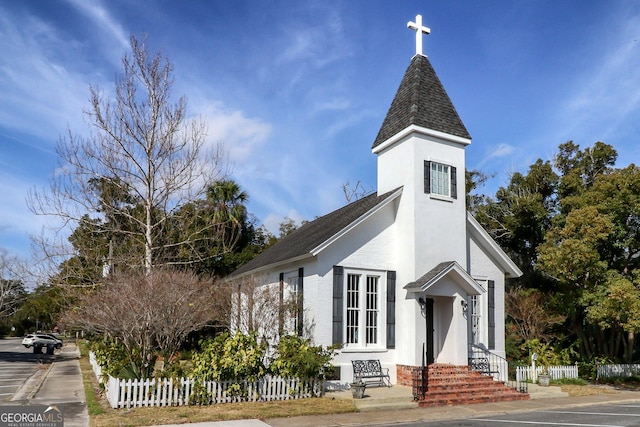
{"type": "Point", "coordinates": [41, 340]}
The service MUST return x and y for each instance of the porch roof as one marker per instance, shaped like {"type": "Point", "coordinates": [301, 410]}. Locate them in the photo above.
{"type": "Point", "coordinates": [451, 269]}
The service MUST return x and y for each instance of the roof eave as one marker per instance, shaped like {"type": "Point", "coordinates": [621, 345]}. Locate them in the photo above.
{"type": "Point", "coordinates": [262, 268]}
{"type": "Point", "coordinates": [472, 287]}
{"type": "Point", "coordinates": [315, 251]}
{"type": "Point", "coordinates": [510, 268]}
{"type": "Point", "coordinates": [406, 132]}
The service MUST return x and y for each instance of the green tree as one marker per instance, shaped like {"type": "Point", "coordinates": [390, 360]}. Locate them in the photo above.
{"type": "Point", "coordinates": [572, 226]}
{"type": "Point", "coordinates": [521, 214]}
{"type": "Point", "coordinates": [42, 308]}
{"type": "Point", "coordinates": [592, 252]}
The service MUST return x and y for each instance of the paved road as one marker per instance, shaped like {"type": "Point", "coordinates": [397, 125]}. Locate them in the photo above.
{"type": "Point", "coordinates": [17, 364]}
{"type": "Point", "coordinates": [612, 415]}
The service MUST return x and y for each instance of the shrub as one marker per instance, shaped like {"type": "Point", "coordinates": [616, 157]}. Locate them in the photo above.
{"type": "Point", "coordinates": [296, 357]}
{"type": "Point", "coordinates": [114, 358]}
{"type": "Point", "coordinates": [229, 357]}
{"type": "Point", "coordinates": [589, 367]}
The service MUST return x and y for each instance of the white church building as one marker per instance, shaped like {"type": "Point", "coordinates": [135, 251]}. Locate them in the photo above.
{"type": "Point", "coordinates": [405, 275]}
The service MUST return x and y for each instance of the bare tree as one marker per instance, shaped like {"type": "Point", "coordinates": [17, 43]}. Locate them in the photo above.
{"type": "Point", "coordinates": [528, 311]}
{"type": "Point", "coordinates": [12, 291]}
{"type": "Point", "coordinates": [143, 163]}
{"type": "Point", "coordinates": [150, 312]}
{"type": "Point", "coordinates": [269, 310]}
{"type": "Point", "coordinates": [357, 192]}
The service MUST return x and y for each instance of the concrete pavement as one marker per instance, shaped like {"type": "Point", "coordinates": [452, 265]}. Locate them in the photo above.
{"type": "Point", "coordinates": [374, 408]}
{"type": "Point", "coordinates": [60, 385]}
{"type": "Point", "coordinates": [537, 403]}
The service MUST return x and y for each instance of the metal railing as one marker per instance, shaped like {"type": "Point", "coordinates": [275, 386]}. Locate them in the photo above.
{"type": "Point", "coordinates": [488, 363]}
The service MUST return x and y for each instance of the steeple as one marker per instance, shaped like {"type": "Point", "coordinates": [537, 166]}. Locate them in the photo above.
{"type": "Point", "coordinates": [421, 101]}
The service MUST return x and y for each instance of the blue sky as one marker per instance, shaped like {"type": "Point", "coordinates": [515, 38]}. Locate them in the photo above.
{"type": "Point", "coordinates": [297, 90]}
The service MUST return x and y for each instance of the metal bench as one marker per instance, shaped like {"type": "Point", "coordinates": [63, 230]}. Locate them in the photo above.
{"type": "Point", "coordinates": [370, 372]}
{"type": "Point", "coordinates": [482, 365]}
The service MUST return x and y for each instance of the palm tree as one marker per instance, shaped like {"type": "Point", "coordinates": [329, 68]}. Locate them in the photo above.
{"type": "Point", "coordinates": [228, 202]}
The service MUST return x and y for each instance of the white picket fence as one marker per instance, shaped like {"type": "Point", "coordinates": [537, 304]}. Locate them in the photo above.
{"type": "Point", "coordinates": [619, 370]}
{"type": "Point", "coordinates": [169, 392]}
{"type": "Point", "coordinates": [97, 369]}
{"type": "Point", "coordinates": [525, 373]}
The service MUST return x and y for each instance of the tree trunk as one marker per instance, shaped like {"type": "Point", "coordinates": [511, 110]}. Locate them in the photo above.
{"type": "Point", "coordinates": [630, 345]}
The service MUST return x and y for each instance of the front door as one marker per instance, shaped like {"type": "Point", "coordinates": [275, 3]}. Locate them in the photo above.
{"type": "Point", "coordinates": [429, 329]}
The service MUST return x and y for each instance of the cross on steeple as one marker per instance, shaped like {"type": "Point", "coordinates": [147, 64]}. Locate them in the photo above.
{"type": "Point", "coordinates": [419, 28]}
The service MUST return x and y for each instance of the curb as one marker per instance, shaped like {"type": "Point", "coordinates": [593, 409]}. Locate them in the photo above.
{"type": "Point", "coordinates": [31, 386]}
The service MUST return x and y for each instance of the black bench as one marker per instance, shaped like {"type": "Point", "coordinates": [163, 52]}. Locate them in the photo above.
{"type": "Point", "coordinates": [482, 365]}
{"type": "Point", "coordinates": [370, 372]}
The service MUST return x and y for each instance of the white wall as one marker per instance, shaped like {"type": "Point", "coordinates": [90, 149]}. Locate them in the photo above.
{"type": "Point", "coordinates": [482, 266]}
{"type": "Point", "coordinates": [431, 228]}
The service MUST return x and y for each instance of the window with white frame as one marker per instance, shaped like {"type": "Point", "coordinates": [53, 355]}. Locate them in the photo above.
{"type": "Point", "coordinates": [362, 306]}
{"type": "Point", "coordinates": [475, 319]}
{"type": "Point", "coordinates": [292, 303]}
{"type": "Point", "coordinates": [440, 179]}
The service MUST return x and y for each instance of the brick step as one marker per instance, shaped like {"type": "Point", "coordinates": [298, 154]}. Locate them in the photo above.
{"type": "Point", "coordinates": [498, 387]}
{"type": "Point", "coordinates": [470, 391]}
{"type": "Point", "coordinates": [458, 385]}
{"type": "Point", "coordinates": [430, 401]}
{"type": "Point", "coordinates": [447, 368]}
{"type": "Point", "coordinates": [462, 380]}
{"type": "Point", "coordinates": [463, 372]}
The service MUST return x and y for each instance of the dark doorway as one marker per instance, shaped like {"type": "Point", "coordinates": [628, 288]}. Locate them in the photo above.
{"type": "Point", "coordinates": [428, 312]}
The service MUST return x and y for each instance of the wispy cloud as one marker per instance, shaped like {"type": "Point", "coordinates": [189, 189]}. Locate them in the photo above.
{"type": "Point", "coordinates": [44, 95]}
{"type": "Point", "coordinates": [608, 92]}
{"type": "Point", "coordinates": [316, 45]}
{"type": "Point", "coordinates": [13, 212]}
{"type": "Point", "coordinates": [240, 135]}
{"type": "Point", "coordinates": [96, 12]}
{"type": "Point", "coordinates": [494, 152]}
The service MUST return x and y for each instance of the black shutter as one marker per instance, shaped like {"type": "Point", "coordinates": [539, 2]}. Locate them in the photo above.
{"type": "Point", "coordinates": [300, 302]}
{"type": "Point", "coordinates": [492, 314]}
{"type": "Point", "coordinates": [281, 306]}
{"type": "Point", "coordinates": [338, 297]}
{"type": "Point", "coordinates": [427, 177]}
{"type": "Point", "coordinates": [391, 309]}
{"type": "Point", "coordinates": [454, 183]}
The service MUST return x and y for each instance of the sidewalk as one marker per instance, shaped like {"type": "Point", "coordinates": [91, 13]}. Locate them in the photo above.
{"type": "Point", "coordinates": [542, 398]}
{"type": "Point", "coordinates": [62, 386]}
{"type": "Point", "coordinates": [371, 417]}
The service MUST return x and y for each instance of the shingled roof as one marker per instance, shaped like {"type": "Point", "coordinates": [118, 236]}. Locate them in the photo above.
{"type": "Point", "coordinates": [422, 101]}
{"type": "Point", "coordinates": [312, 234]}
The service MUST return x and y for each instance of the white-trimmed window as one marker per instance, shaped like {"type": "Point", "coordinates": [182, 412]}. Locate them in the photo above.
{"type": "Point", "coordinates": [440, 179]}
{"type": "Point", "coordinates": [292, 301]}
{"type": "Point", "coordinates": [475, 318]}
{"type": "Point", "coordinates": [363, 303]}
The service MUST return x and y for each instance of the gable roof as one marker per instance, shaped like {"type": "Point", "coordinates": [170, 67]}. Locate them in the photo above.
{"type": "Point", "coordinates": [421, 101]}
{"type": "Point", "coordinates": [492, 248]}
{"type": "Point", "coordinates": [451, 268]}
{"type": "Point", "coordinates": [305, 240]}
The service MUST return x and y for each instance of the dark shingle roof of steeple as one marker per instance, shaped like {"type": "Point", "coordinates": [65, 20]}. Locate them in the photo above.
{"type": "Point", "coordinates": [312, 234]}
{"type": "Point", "coordinates": [422, 101]}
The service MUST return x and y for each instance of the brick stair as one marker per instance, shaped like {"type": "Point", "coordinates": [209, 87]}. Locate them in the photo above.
{"type": "Point", "coordinates": [458, 385]}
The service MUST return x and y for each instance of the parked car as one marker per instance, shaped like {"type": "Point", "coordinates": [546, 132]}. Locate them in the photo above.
{"type": "Point", "coordinates": [41, 340]}
{"type": "Point", "coordinates": [54, 336]}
